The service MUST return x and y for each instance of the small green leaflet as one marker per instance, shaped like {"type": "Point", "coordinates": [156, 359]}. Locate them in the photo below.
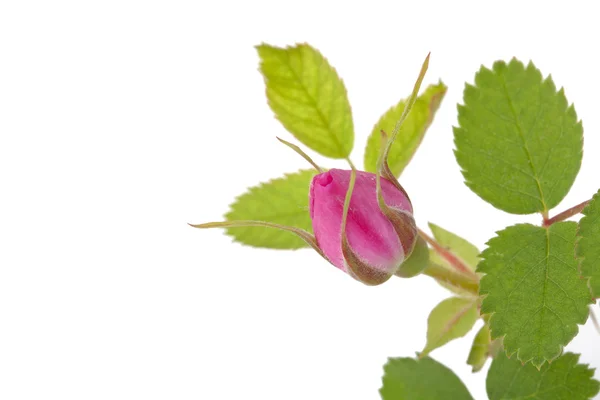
{"type": "Point", "coordinates": [283, 201]}
{"type": "Point", "coordinates": [449, 320]}
{"type": "Point", "coordinates": [508, 379]}
{"type": "Point", "coordinates": [425, 379]}
{"type": "Point", "coordinates": [308, 97]}
{"type": "Point", "coordinates": [460, 247]}
{"type": "Point", "coordinates": [518, 142]}
{"type": "Point", "coordinates": [533, 290]}
{"type": "Point", "coordinates": [411, 133]}
{"type": "Point", "coordinates": [588, 248]}
{"type": "Point", "coordinates": [480, 350]}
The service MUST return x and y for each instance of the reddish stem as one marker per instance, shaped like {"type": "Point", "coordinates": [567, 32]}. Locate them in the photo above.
{"type": "Point", "coordinates": [449, 256]}
{"type": "Point", "coordinates": [565, 214]}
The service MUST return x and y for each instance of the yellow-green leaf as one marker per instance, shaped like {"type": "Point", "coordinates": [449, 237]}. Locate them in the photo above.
{"type": "Point", "coordinates": [411, 132]}
{"type": "Point", "coordinates": [449, 320]}
{"type": "Point", "coordinates": [283, 201]}
{"type": "Point", "coordinates": [308, 98]}
{"type": "Point", "coordinates": [480, 350]}
{"type": "Point", "coordinates": [462, 248]}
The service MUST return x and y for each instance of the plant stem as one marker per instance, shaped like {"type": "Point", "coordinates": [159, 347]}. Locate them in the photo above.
{"type": "Point", "coordinates": [350, 163]}
{"type": "Point", "coordinates": [452, 277]}
{"type": "Point", "coordinates": [565, 214]}
{"type": "Point", "coordinates": [450, 257]}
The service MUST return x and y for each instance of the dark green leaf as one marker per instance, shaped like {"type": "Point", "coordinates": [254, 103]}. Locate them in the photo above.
{"type": "Point", "coordinates": [425, 379]}
{"type": "Point", "coordinates": [563, 379]}
{"type": "Point", "coordinates": [533, 290]}
{"type": "Point", "coordinates": [588, 245]}
{"type": "Point", "coordinates": [518, 142]}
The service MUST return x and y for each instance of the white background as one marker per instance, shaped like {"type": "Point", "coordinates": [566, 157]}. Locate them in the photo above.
{"type": "Point", "coordinates": [121, 121]}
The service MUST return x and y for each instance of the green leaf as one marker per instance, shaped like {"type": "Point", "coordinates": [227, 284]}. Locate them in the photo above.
{"type": "Point", "coordinates": [533, 290]}
{"type": "Point", "coordinates": [425, 379]}
{"type": "Point", "coordinates": [283, 201]}
{"type": "Point", "coordinates": [508, 379]}
{"type": "Point", "coordinates": [519, 143]}
{"type": "Point", "coordinates": [460, 248]}
{"type": "Point", "coordinates": [411, 133]}
{"type": "Point", "coordinates": [308, 97]}
{"type": "Point", "coordinates": [588, 250]}
{"type": "Point", "coordinates": [449, 320]}
{"type": "Point", "coordinates": [480, 350]}
{"type": "Point", "coordinates": [463, 249]}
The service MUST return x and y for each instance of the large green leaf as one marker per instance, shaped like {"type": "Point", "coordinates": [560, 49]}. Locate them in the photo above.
{"type": "Point", "coordinates": [461, 248]}
{"type": "Point", "coordinates": [425, 379]}
{"type": "Point", "coordinates": [563, 379]}
{"type": "Point", "coordinates": [283, 201]}
{"type": "Point", "coordinates": [411, 132]}
{"type": "Point", "coordinates": [308, 97]}
{"type": "Point", "coordinates": [449, 320]}
{"type": "Point", "coordinates": [533, 290]}
{"type": "Point", "coordinates": [588, 245]}
{"type": "Point", "coordinates": [518, 142]}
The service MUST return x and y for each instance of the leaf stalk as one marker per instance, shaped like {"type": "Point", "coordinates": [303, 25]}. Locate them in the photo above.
{"type": "Point", "coordinates": [565, 214]}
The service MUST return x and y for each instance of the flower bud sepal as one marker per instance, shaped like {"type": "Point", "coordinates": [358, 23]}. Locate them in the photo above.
{"type": "Point", "coordinates": [416, 262]}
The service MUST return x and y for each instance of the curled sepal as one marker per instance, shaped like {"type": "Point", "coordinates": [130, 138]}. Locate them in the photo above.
{"type": "Point", "coordinates": [382, 163]}
{"type": "Point", "coordinates": [402, 221]}
{"type": "Point", "coordinates": [355, 266]}
{"type": "Point", "coordinates": [301, 153]}
{"type": "Point", "coordinates": [360, 270]}
{"type": "Point", "coordinates": [301, 233]}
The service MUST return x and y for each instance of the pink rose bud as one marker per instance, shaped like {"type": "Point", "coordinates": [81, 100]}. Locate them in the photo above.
{"type": "Point", "coordinates": [379, 243]}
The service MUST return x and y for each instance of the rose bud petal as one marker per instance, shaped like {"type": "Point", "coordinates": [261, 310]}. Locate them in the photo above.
{"type": "Point", "coordinates": [377, 249]}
